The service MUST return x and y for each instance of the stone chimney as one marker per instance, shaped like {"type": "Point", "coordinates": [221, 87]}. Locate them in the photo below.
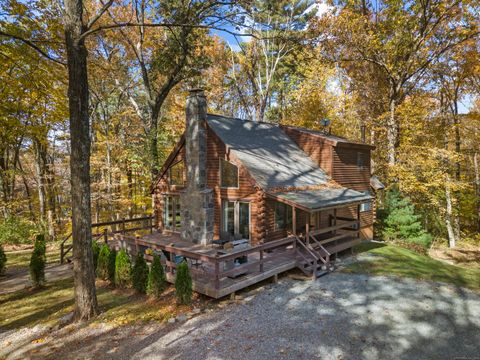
{"type": "Point", "coordinates": [197, 199]}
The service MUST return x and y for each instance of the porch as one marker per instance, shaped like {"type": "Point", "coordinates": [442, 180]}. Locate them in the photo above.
{"type": "Point", "coordinates": [217, 272]}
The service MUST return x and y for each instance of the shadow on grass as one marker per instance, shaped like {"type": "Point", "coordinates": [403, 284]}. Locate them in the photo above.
{"type": "Point", "coordinates": [393, 260]}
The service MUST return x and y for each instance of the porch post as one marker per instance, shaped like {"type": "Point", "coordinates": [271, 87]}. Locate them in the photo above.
{"type": "Point", "coordinates": [294, 220]}
{"type": "Point", "coordinates": [334, 220]}
{"type": "Point", "coordinates": [307, 229]}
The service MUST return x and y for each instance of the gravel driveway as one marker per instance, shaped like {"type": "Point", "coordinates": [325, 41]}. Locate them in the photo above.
{"type": "Point", "coordinates": [339, 316]}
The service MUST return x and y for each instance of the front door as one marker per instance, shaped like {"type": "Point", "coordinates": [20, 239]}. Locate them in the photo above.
{"type": "Point", "coordinates": [235, 220]}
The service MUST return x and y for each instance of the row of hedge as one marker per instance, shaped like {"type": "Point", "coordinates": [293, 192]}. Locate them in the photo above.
{"type": "Point", "coordinates": [117, 268]}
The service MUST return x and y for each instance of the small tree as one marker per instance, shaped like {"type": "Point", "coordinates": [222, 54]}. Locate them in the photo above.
{"type": "Point", "coordinates": [401, 222]}
{"type": "Point", "coordinates": [37, 261]}
{"type": "Point", "coordinates": [140, 274]}
{"type": "Point", "coordinates": [123, 269]}
{"type": "Point", "coordinates": [157, 280]}
{"type": "Point", "coordinates": [183, 284]}
{"type": "Point", "coordinates": [3, 260]}
{"type": "Point", "coordinates": [96, 252]}
{"type": "Point", "coordinates": [111, 265]}
{"type": "Point", "coordinates": [103, 262]}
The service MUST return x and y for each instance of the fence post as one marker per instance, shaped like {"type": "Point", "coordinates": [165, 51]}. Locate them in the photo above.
{"type": "Point", "coordinates": [61, 253]}
{"type": "Point", "coordinates": [105, 235]}
{"type": "Point", "coordinates": [151, 224]}
{"type": "Point", "coordinates": [123, 226]}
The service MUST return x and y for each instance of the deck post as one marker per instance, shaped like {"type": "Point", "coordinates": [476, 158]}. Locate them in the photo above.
{"type": "Point", "coordinates": [217, 272]}
{"type": "Point", "coordinates": [261, 260]}
{"type": "Point", "coordinates": [105, 235]}
{"type": "Point", "coordinates": [358, 221]}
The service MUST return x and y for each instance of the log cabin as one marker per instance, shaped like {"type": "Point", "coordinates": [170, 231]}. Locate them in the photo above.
{"type": "Point", "coordinates": [242, 201]}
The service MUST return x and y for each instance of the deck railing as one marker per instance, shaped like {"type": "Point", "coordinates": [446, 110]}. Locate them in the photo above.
{"type": "Point", "coordinates": [105, 230]}
{"type": "Point", "coordinates": [212, 269]}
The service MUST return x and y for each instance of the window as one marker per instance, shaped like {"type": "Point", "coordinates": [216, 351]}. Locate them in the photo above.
{"type": "Point", "coordinates": [283, 216]}
{"type": "Point", "coordinates": [367, 205]}
{"type": "Point", "coordinates": [177, 174]}
{"type": "Point", "coordinates": [172, 214]}
{"type": "Point", "coordinates": [361, 162]}
{"type": "Point", "coordinates": [236, 219]}
{"type": "Point", "coordinates": [228, 174]}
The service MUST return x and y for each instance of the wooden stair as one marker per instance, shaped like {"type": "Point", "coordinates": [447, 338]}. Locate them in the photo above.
{"type": "Point", "coordinates": [313, 261]}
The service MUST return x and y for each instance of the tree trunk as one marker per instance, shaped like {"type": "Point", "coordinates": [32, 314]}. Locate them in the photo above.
{"type": "Point", "coordinates": [477, 187]}
{"type": "Point", "coordinates": [448, 216]}
{"type": "Point", "coordinates": [391, 132]}
{"type": "Point", "coordinates": [83, 271]}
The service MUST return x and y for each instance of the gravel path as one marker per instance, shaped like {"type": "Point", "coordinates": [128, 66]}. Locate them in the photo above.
{"type": "Point", "coordinates": [340, 316]}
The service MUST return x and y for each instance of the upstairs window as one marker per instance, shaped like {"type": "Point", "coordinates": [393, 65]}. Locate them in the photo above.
{"type": "Point", "coordinates": [283, 216]}
{"type": "Point", "coordinates": [228, 174]}
{"type": "Point", "coordinates": [177, 172]}
{"type": "Point", "coordinates": [361, 161]}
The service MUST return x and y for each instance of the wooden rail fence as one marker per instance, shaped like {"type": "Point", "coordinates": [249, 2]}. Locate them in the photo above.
{"type": "Point", "coordinates": [145, 223]}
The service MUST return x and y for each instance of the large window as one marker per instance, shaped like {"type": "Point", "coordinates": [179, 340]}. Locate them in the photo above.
{"type": "Point", "coordinates": [172, 212]}
{"type": "Point", "coordinates": [228, 174]}
{"type": "Point", "coordinates": [283, 216]}
{"type": "Point", "coordinates": [177, 174]}
{"type": "Point", "coordinates": [236, 219]}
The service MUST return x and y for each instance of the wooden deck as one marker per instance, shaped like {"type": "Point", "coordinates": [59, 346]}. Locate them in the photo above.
{"type": "Point", "coordinates": [213, 270]}
{"type": "Point", "coordinates": [217, 272]}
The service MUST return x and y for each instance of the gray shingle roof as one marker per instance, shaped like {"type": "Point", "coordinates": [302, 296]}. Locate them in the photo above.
{"type": "Point", "coordinates": [272, 158]}
{"type": "Point", "coordinates": [317, 199]}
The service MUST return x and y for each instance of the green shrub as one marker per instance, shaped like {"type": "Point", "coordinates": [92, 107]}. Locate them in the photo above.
{"type": "Point", "coordinates": [3, 260]}
{"type": "Point", "coordinates": [14, 230]}
{"type": "Point", "coordinates": [37, 261]}
{"type": "Point", "coordinates": [95, 252]}
{"type": "Point", "coordinates": [157, 281]}
{"type": "Point", "coordinates": [103, 261]}
{"type": "Point", "coordinates": [111, 265]}
{"type": "Point", "coordinates": [183, 284]}
{"type": "Point", "coordinates": [140, 274]}
{"type": "Point", "coordinates": [401, 222]}
{"type": "Point", "coordinates": [123, 269]}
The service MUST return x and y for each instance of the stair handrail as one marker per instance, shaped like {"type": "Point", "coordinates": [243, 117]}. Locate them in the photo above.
{"type": "Point", "coordinates": [62, 248]}
{"type": "Point", "coordinates": [306, 248]}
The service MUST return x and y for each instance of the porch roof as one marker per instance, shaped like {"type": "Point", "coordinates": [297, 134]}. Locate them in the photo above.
{"type": "Point", "coordinates": [312, 200]}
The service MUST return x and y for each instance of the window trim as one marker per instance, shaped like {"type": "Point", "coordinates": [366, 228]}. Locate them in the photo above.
{"type": "Point", "coordinates": [369, 202]}
{"type": "Point", "coordinates": [236, 216]}
{"type": "Point", "coordinates": [361, 165]}
{"type": "Point", "coordinates": [285, 227]}
{"type": "Point", "coordinates": [175, 202]}
{"type": "Point", "coordinates": [220, 174]}
{"type": "Point", "coordinates": [170, 174]}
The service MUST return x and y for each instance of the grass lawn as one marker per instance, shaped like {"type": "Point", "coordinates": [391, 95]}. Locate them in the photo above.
{"type": "Point", "coordinates": [45, 306]}
{"type": "Point", "coordinates": [386, 259]}
{"type": "Point", "coordinates": [19, 259]}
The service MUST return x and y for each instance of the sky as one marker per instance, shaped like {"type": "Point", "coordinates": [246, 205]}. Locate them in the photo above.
{"type": "Point", "coordinates": [464, 104]}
